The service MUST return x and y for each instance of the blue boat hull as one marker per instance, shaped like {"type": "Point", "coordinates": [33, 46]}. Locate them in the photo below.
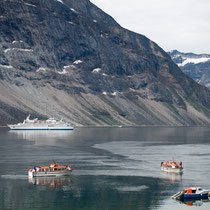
{"type": "Point", "coordinates": [195, 196]}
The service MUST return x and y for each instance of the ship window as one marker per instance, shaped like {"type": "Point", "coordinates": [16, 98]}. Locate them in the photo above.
{"type": "Point", "coordinates": [55, 169]}
{"type": "Point", "coordinates": [193, 191]}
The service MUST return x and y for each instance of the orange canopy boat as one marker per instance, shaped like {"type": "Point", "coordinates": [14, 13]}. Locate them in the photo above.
{"type": "Point", "coordinates": [53, 169]}
{"type": "Point", "coordinates": [172, 166]}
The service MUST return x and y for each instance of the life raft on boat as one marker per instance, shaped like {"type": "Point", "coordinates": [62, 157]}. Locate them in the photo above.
{"type": "Point", "coordinates": [53, 169]}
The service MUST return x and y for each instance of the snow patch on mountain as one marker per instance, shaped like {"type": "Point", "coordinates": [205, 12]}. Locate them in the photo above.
{"type": "Point", "coordinates": [193, 60]}
{"type": "Point", "coordinates": [18, 49]}
{"type": "Point", "coordinates": [96, 70]}
{"type": "Point", "coordinates": [68, 67]}
{"type": "Point", "coordinates": [6, 66]}
{"type": "Point", "coordinates": [41, 69]}
{"type": "Point", "coordinates": [77, 62]}
{"type": "Point", "coordinates": [31, 5]}
{"type": "Point", "coordinates": [60, 1]}
{"type": "Point", "coordinates": [73, 10]}
{"type": "Point", "coordinates": [62, 72]}
{"type": "Point", "coordinates": [17, 41]}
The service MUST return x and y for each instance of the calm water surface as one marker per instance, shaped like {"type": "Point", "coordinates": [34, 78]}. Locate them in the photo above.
{"type": "Point", "coordinates": [115, 168]}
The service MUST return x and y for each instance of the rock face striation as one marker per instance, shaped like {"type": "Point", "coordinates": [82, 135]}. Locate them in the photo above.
{"type": "Point", "coordinates": [68, 59]}
{"type": "Point", "coordinates": [196, 66]}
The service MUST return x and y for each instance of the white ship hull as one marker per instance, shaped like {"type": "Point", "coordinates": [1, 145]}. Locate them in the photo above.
{"type": "Point", "coordinates": [32, 127]}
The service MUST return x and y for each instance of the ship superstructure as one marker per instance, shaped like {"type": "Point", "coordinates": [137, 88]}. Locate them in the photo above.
{"type": "Point", "coordinates": [35, 124]}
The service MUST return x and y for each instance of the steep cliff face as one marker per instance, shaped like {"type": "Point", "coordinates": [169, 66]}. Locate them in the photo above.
{"type": "Point", "coordinates": [68, 59]}
{"type": "Point", "coordinates": [196, 66]}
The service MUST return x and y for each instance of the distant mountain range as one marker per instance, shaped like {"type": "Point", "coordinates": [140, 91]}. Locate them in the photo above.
{"type": "Point", "coordinates": [68, 59]}
{"type": "Point", "coordinates": [196, 66]}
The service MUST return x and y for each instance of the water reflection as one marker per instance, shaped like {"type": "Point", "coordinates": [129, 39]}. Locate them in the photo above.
{"type": "Point", "coordinates": [115, 168]}
{"type": "Point", "coordinates": [44, 137]}
{"type": "Point", "coordinates": [194, 202]}
{"type": "Point", "coordinates": [53, 182]}
{"type": "Point", "coordinates": [172, 177]}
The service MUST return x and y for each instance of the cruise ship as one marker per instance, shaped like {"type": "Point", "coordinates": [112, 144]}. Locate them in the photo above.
{"type": "Point", "coordinates": [35, 124]}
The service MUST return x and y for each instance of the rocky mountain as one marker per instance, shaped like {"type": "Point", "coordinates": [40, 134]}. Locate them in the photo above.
{"type": "Point", "coordinates": [68, 59]}
{"type": "Point", "coordinates": [196, 66]}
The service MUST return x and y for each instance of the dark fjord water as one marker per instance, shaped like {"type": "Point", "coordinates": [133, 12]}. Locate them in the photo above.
{"type": "Point", "coordinates": [115, 168]}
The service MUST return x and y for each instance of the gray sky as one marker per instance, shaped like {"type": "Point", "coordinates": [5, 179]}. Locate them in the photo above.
{"type": "Point", "coordinates": [173, 24]}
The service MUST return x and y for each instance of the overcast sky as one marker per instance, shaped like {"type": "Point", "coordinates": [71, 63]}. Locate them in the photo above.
{"type": "Point", "coordinates": [173, 24]}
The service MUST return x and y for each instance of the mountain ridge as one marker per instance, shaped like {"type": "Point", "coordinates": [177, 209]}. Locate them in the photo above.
{"type": "Point", "coordinates": [196, 66]}
{"type": "Point", "coordinates": [71, 60]}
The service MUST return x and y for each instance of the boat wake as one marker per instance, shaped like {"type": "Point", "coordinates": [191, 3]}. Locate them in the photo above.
{"type": "Point", "coordinates": [132, 188]}
{"type": "Point", "coordinates": [14, 176]}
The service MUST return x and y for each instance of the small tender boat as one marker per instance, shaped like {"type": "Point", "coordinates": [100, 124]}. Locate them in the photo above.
{"type": "Point", "coordinates": [195, 193]}
{"type": "Point", "coordinates": [54, 169]}
{"type": "Point", "coordinates": [172, 166]}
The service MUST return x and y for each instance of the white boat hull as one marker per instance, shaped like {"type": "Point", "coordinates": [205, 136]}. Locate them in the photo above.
{"type": "Point", "coordinates": [48, 173]}
{"type": "Point", "coordinates": [173, 170]}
